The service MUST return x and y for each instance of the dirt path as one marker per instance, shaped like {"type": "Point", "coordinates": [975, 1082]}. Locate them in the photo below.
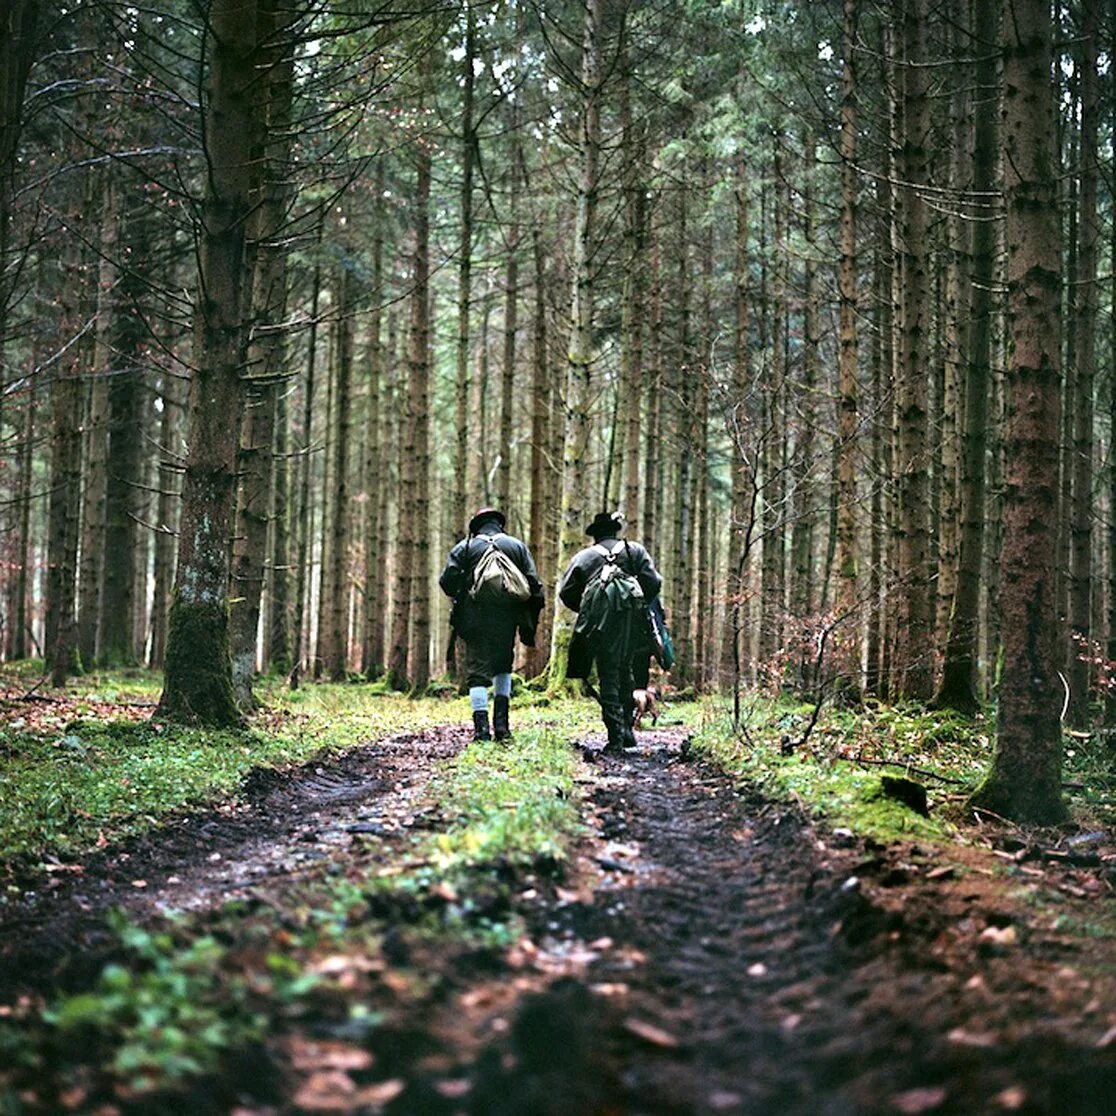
{"type": "Point", "coordinates": [709, 953]}
{"type": "Point", "coordinates": [281, 826]}
{"type": "Point", "coordinates": [720, 956]}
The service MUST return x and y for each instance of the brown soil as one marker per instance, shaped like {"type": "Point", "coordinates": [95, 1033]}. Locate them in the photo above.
{"type": "Point", "coordinates": [708, 953]}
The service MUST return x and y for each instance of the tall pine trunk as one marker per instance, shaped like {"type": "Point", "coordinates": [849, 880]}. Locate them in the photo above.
{"type": "Point", "coordinates": [198, 674]}
{"type": "Point", "coordinates": [913, 651]}
{"type": "Point", "coordinates": [958, 688]}
{"type": "Point", "coordinates": [579, 367]}
{"type": "Point", "coordinates": [1084, 325]}
{"type": "Point", "coordinates": [846, 639]}
{"type": "Point", "coordinates": [1024, 782]}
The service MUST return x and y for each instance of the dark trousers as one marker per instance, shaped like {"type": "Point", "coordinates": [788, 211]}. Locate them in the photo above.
{"type": "Point", "coordinates": [617, 704]}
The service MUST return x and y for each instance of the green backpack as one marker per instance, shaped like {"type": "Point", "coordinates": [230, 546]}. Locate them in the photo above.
{"type": "Point", "coordinates": [613, 608]}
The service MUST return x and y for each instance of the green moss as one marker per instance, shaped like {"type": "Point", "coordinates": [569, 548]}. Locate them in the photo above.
{"type": "Point", "coordinates": [198, 687]}
{"type": "Point", "coordinates": [829, 787]}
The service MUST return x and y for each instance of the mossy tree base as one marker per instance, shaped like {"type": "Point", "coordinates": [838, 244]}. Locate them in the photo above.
{"type": "Point", "coordinates": [957, 691]}
{"type": "Point", "coordinates": [1020, 804]}
{"type": "Point", "coordinates": [197, 686]}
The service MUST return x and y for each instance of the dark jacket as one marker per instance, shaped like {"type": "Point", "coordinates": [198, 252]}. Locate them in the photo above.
{"type": "Point", "coordinates": [468, 616]}
{"type": "Point", "coordinates": [631, 557]}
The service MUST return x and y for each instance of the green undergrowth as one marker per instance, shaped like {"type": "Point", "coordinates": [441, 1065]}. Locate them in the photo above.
{"type": "Point", "coordinates": [179, 1004]}
{"type": "Point", "coordinates": [837, 774]}
{"type": "Point", "coordinates": [505, 811]}
{"type": "Point", "coordinates": [87, 766]}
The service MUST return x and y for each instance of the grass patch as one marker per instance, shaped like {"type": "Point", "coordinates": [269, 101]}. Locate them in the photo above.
{"type": "Point", "coordinates": [825, 776]}
{"type": "Point", "coordinates": [88, 766]}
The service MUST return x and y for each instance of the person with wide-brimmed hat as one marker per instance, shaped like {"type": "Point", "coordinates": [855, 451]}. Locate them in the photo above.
{"type": "Point", "coordinates": [612, 645]}
{"type": "Point", "coordinates": [486, 617]}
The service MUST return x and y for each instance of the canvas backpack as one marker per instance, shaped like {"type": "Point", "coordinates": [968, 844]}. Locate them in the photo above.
{"type": "Point", "coordinates": [613, 608]}
{"type": "Point", "coordinates": [497, 579]}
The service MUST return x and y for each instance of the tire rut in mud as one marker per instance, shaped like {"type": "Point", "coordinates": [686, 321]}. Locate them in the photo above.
{"type": "Point", "coordinates": [746, 967]}
{"type": "Point", "coordinates": [281, 825]}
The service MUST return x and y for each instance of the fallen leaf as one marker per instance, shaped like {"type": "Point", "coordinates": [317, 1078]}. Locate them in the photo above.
{"type": "Point", "coordinates": [382, 1092]}
{"type": "Point", "coordinates": [326, 1091]}
{"type": "Point", "coordinates": [1000, 935]}
{"type": "Point", "coordinates": [610, 988]}
{"type": "Point", "coordinates": [1012, 1098]}
{"type": "Point", "coordinates": [960, 1037]}
{"type": "Point", "coordinates": [925, 1099]}
{"type": "Point", "coordinates": [328, 1055]}
{"type": "Point", "coordinates": [722, 1100]}
{"type": "Point", "coordinates": [454, 1089]}
{"type": "Point", "coordinates": [397, 982]}
{"type": "Point", "coordinates": [656, 1036]}
{"type": "Point", "coordinates": [74, 1098]}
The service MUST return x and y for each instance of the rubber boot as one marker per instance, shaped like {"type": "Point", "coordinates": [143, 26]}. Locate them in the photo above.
{"type": "Point", "coordinates": [616, 738]}
{"type": "Point", "coordinates": [480, 725]}
{"type": "Point", "coordinates": [500, 727]}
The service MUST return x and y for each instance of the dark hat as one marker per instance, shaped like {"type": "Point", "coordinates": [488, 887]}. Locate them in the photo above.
{"type": "Point", "coordinates": [606, 523]}
{"type": "Point", "coordinates": [483, 516]}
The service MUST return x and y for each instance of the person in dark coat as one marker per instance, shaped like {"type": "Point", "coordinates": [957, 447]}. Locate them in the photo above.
{"type": "Point", "coordinates": [614, 662]}
{"type": "Point", "coordinates": [488, 628]}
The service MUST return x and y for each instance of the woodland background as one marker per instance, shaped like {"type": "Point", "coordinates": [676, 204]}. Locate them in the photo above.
{"type": "Point", "coordinates": [322, 279]}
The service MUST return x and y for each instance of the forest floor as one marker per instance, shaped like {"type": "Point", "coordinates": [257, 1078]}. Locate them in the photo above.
{"type": "Point", "coordinates": [418, 924]}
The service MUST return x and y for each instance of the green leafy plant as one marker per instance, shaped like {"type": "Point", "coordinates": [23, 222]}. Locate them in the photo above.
{"type": "Point", "coordinates": [168, 1012]}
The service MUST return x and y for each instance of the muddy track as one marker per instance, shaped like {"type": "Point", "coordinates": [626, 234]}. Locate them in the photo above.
{"type": "Point", "coordinates": [745, 966]}
{"type": "Point", "coordinates": [280, 826]}
{"type": "Point", "coordinates": [708, 952]}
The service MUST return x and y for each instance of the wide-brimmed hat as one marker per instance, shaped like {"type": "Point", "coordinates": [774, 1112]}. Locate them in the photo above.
{"type": "Point", "coordinates": [484, 515]}
{"type": "Point", "coordinates": [606, 523]}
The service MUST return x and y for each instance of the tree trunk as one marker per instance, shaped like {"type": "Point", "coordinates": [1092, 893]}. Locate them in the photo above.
{"type": "Point", "coordinates": [465, 273]}
{"type": "Point", "coordinates": [847, 638]}
{"type": "Point", "coordinates": [579, 368]}
{"type": "Point", "coordinates": [511, 325]}
{"type": "Point", "coordinates": [409, 657]}
{"type": "Point", "coordinates": [1024, 782]}
{"type": "Point", "coordinates": [335, 660]}
{"type": "Point", "coordinates": [97, 430]}
{"type": "Point", "coordinates": [682, 395]}
{"type": "Point", "coordinates": [198, 675]}
{"type": "Point", "coordinates": [305, 525]}
{"type": "Point", "coordinates": [542, 545]}
{"type": "Point", "coordinates": [419, 408]}
{"type": "Point", "coordinates": [742, 499]}
{"type": "Point", "coordinates": [913, 653]}
{"type": "Point", "coordinates": [958, 689]}
{"type": "Point", "coordinates": [166, 517]}
{"type": "Point", "coordinates": [375, 583]}
{"type": "Point", "coordinates": [326, 588]}
{"type": "Point", "coordinates": [1084, 325]}
{"type": "Point", "coordinates": [118, 596]}
{"type": "Point", "coordinates": [21, 619]}
{"type": "Point", "coordinates": [60, 640]}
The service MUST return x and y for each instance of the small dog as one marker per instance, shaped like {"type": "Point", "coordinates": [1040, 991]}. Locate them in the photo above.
{"type": "Point", "coordinates": [646, 704]}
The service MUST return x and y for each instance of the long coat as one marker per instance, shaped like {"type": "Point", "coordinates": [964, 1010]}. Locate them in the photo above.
{"type": "Point", "coordinates": [475, 622]}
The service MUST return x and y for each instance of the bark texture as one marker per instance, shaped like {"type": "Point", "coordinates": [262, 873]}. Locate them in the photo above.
{"type": "Point", "coordinates": [1024, 782]}
{"type": "Point", "coordinates": [198, 674]}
